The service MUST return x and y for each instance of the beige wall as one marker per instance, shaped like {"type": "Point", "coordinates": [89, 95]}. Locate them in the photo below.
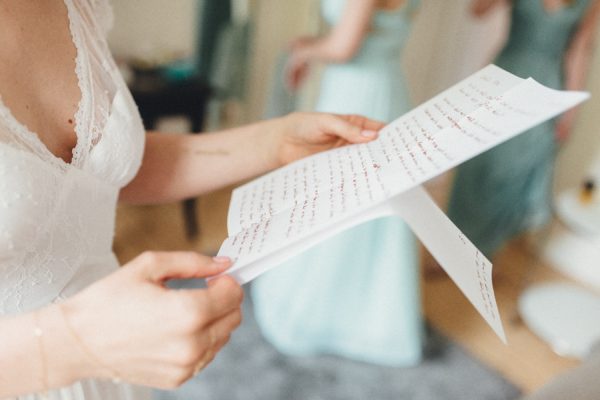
{"type": "Point", "coordinates": [154, 29]}
{"type": "Point", "coordinates": [447, 45]}
{"type": "Point", "coordinates": [583, 149]}
{"type": "Point", "coordinates": [276, 23]}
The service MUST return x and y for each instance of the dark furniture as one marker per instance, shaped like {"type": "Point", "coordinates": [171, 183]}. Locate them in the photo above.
{"type": "Point", "coordinates": [157, 97]}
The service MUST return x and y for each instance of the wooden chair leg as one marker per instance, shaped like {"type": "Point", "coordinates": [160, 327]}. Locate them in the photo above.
{"type": "Point", "coordinates": [190, 219]}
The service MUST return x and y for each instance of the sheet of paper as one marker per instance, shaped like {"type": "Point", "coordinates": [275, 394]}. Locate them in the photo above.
{"type": "Point", "coordinates": [464, 263]}
{"type": "Point", "coordinates": [285, 212]}
{"type": "Point", "coordinates": [401, 142]}
{"type": "Point", "coordinates": [312, 194]}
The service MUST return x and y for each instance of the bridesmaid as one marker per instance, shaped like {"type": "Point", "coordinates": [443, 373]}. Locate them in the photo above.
{"type": "Point", "coordinates": [507, 190]}
{"type": "Point", "coordinates": [357, 294]}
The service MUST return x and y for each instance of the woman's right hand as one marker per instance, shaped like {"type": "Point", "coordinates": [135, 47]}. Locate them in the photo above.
{"type": "Point", "coordinates": [151, 335]}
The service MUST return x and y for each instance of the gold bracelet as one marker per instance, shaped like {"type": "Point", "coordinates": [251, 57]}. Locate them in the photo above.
{"type": "Point", "coordinates": [115, 376]}
{"type": "Point", "coordinates": [39, 333]}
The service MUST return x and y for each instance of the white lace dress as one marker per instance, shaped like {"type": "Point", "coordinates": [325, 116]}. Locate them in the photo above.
{"type": "Point", "coordinates": [57, 219]}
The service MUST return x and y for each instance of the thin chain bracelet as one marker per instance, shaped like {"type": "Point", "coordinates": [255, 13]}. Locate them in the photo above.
{"type": "Point", "coordinates": [39, 333]}
{"type": "Point", "coordinates": [116, 378]}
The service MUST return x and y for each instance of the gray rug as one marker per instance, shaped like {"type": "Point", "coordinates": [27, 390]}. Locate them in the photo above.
{"type": "Point", "coordinates": [248, 368]}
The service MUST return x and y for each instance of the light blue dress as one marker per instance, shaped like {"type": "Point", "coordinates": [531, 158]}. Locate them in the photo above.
{"type": "Point", "coordinates": [355, 295]}
{"type": "Point", "coordinates": [507, 190]}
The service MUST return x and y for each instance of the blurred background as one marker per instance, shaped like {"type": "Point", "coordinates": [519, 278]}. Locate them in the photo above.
{"type": "Point", "coordinates": [224, 55]}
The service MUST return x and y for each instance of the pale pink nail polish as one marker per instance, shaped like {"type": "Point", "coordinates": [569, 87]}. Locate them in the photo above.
{"type": "Point", "coordinates": [221, 259]}
{"type": "Point", "coordinates": [368, 133]}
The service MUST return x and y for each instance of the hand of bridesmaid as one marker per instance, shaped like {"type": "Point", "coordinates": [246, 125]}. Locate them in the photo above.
{"type": "Point", "coordinates": [479, 8]}
{"type": "Point", "coordinates": [564, 126]}
{"type": "Point", "coordinates": [297, 67]}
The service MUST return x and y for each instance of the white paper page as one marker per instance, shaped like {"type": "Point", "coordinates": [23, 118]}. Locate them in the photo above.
{"type": "Point", "coordinates": [335, 183]}
{"type": "Point", "coordinates": [308, 196]}
{"type": "Point", "coordinates": [279, 190]}
{"type": "Point", "coordinates": [253, 267]}
{"type": "Point", "coordinates": [285, 212]}
{"type": "Point", "coordinates": [470, 270]}
{"type": "Point", "coordinates": [346, 186]}
{"type": "Point", "coordinates": [519, 109]}
{"type": "Point", "coordinates": [467, 267]}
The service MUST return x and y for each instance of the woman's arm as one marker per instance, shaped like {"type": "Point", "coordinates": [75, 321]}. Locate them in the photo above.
{"type": "Point", "coordinates": [339, 46]}
{"type": "Point", "coordinates": [576, 63]}
{"type": "Point", "coordinates": [127, 326]}
{"type": "Point", "coordinates": [346, 37]}
{"type": "Point", "coordinates": [480, 8]}
{"type": "Point", "coordinates": [181, 166]}
{"type": "Point", "coordinates": [29, 367]}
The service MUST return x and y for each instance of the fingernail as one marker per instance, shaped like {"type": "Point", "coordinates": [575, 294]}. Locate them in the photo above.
{"type": "Point", "coordinates": [368, 133]}
{"type": "Point", "coordinates": [221, 259]}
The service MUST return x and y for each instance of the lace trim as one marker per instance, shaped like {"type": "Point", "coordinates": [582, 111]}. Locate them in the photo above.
{"type": "Point", "coordinates": [82, 83]}
{"type": "Point", "coordinates": [27, 138]}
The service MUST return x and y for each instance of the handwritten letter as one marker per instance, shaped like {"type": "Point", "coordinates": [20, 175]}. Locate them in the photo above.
{"type": "Point", "coordinates": [291, 209]}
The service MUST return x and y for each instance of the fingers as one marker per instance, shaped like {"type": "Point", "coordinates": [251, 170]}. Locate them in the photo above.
{"type": "Point", "coordinates": [364, 122]}
{"type": "Point", "coordinates": [216, 336]}
{"type": "Point", "coordinates": [223, 296]}
{"type": "Point", "coordinates": [352, 128]}
{"type": "Point", "coordinates": [161, 266]}
{"type": "Point", "coordinates": [220, 331]}
{"type": "Point", "coordinates": [299, 76]}
{"type": "Point", "coordinates": [296, 71]}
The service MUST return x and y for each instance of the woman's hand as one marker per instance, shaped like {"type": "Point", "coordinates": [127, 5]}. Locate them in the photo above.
{"type": "Point", "coordinates": [148, 334]}
{"type": "Point", "coordinates": [303, 134]}
{"type": "Point", "coordinates": [564, 126]}
{"type": "Point", "coordinates": [298, 64]}
{"type": "Point", "coordinates": [479, 8]}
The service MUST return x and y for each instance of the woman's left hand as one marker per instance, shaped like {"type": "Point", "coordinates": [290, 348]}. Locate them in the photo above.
{"type": "Point", "coordinates": [297, 67]}
{"type": "Point", "coordinates": [303, 134]}
{"type": "Point", "coordinates": [564, 126]}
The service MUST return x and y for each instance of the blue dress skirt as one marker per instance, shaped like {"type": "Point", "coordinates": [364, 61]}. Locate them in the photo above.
{"type": "Point", "coordinates": [357, 294]}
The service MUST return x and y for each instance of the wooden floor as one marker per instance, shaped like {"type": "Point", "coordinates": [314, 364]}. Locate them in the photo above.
{"type": "Point", "coordinates": [526, 361]}
{"type": "Point", "coordinates": [141, 228]}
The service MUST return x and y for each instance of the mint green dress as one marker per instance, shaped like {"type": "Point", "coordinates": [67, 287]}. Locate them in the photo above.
{"type": "Point", "coordinates": [507, 190]}
{"type": "Point", "coordinates": [357, 294]}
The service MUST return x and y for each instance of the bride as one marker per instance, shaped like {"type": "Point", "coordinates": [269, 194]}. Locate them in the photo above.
{"type": "Point", "coordinates": [72, 324]}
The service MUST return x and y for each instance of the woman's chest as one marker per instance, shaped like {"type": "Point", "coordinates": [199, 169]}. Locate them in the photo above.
{"type": "Point", "coordinates": [41, 206]}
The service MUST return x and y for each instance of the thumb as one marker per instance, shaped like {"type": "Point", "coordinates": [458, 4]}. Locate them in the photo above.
{"type": "Point", "coordinates": [352, 128]}
{"type": "Point", "coordinates": [162, 266]}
